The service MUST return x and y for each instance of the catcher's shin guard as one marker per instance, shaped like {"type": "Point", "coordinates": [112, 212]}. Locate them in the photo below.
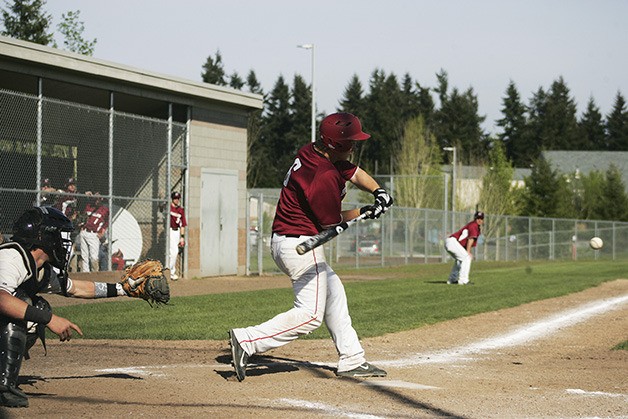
{"type": "Point", "coordinates": [12, 349]}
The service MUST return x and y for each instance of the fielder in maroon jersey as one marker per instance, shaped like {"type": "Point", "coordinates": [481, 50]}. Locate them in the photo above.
{"type": "Point", "coordinates": [310, 202]}
{"type": "Point", "coordinates": [460, 245]}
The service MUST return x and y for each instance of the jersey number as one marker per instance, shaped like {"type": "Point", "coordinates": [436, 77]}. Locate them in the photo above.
{"type": "Point", "coordinates": [295, 166]}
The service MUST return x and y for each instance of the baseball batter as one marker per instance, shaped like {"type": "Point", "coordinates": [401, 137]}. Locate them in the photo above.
{"type": "Point", "coordinates": [310, 202]}
{"type": "Point", "coordinates": [460, 245]}
{"type": "Point", "coordinates": [35, 261]}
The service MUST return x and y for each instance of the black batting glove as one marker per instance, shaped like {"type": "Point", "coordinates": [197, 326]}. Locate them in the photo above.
{"type": "Point", "coordinates": [383, 201]}
{"type": "Point", "coordinates": [370, 209]}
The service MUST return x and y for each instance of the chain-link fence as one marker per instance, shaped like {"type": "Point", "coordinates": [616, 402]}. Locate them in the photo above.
{"type": "Point", "coordinates": [412, 236]}
{"type": "Point", "coordinates": [62, 154]}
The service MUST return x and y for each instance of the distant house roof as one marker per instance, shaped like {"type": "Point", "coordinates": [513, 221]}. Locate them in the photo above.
{"type": "Point", "coordinates": [588, 161]}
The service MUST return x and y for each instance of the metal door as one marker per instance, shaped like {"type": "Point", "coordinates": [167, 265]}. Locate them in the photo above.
{"type": "Point", "coordinates": [219, 222]}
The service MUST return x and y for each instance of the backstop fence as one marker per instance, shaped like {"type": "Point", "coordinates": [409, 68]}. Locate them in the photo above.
{"type": "Point", "coordinates": [406, 236]}
{"type": "Point", "coordinates": [132, 161]}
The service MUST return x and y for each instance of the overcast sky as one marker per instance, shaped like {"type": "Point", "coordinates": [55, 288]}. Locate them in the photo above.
{"type": "Point", "coordinates": [480, 43]}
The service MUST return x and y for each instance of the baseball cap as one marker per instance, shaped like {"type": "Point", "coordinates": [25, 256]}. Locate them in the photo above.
{"type": "Point", "coordinates": [479, 215]}
{"type": "Point", "coordinates": [175, 195]}
{"type": "Point", "coordinates": [70, 181]}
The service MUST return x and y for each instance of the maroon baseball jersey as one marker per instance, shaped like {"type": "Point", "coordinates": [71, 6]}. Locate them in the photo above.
{"type": "Point", "coordinates": [97, 218]}
{"type": "Point", "coordinates": [177, 217]}
{"type": "Point", "coordinates": [312, 193]}
{"type": "Point", "coordinates": [469, 231]}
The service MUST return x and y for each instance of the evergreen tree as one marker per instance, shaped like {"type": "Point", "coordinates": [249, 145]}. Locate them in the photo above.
{"type": "Point", "coordinates": [409, 106]}
{"type": "Point", "coordinates": [426, 107]}
{"type": "Point", "coordinates": [382, 122]}
{"type": "Point", "coordinates": [592, 128]}
{"type": "Point", "coordinates": [542, 190]}
{"type": "Point", "coordinates": [353, 100]}
{"type": "Point", "coordinates": [513, 126]}
{"type": "Point", "coordinates": [614, 198]}
{"type": "Point", "coordinates": [560, 124]}
{"type": "Point", "coordinates": [301, 111]}
{"type": "Point", "coordinates": [535, 135]}
{"type": "Point", "coordinates": [213, 70]}
{"type": "Point", "coordinates": [258, 153]}
{"type": "Point", "coordinates": [72, 30]}
{"type": "Point", "coordinates": [26, 20]}
{"type": "Point", "coordinates": [253, 85]}
{"type": "Point", "coordinates": [617, 126]}
{"type": "Point", "coordinates": [275, 135]}
{"type": "Point", "coordinates": [236, 81]}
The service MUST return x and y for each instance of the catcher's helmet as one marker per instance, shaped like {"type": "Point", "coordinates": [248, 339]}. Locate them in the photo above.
{"type": "Point", "coordinates": [339, 130]}
{"type": "Point", "coordinates": [46, 228]}
{"type": "Point", "coordinates": [175, 195]}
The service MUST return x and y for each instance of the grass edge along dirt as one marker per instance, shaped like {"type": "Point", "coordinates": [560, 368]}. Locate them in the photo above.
{"type": "Point", "coordinates": [389, 300]}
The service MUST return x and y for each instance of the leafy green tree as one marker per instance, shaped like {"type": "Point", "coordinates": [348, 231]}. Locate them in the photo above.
{"type": "Point", "coordinates": [592, 128]}
{"type": "Point", "coordinates": [513, 126]}
{"type": "Point", "coordinates": [409, 105]}
{"type": "Point", "coordinates": [496, 196]}
{"type": "Point", "coordinates": [72, 30]}
{"type": "Point", "coordinates": [253, 85]}
{"type": "Point", "coordinates": [419, 160]}
{"type": "Point", "coordinates": [26, 20]}
{"type": "Point", "coordinates": [535, 135]}
{"type": "Point", "coordinates": [213, 70]}
{"type": "Point", "coordinates": [617, 125]}
{"type": "Point", "coordinates": [614, 198]}
{"type": "Point", "coordinates": [592, 203]}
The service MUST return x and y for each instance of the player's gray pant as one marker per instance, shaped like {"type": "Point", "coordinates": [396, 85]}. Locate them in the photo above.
{"type": "Point", "coordinates": [318, 296]}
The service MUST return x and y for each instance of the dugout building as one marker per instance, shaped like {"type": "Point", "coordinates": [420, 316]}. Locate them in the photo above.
{"type": "Point", "coordinates": [134, 136]}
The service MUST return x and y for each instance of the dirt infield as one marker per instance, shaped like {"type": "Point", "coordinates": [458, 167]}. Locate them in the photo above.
{"type": "Point", "coordinates": [545, 359]}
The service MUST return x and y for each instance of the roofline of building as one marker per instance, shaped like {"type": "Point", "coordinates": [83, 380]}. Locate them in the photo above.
{"type": "Point", "coordinates": [36, 54]}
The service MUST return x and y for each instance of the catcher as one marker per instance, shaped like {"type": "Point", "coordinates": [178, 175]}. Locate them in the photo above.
{"type": "Point", "coordinates": [35, 261]}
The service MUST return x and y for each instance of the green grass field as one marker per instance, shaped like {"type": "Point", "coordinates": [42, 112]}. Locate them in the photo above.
{"type": "Point", "coordinates": [407, 298]}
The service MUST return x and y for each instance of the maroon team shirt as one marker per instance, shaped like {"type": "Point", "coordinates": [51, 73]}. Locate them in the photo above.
{"type": "Point", "coordinates": [312, 193]}
{"type": "Point", "coordinates": [177, 217]}
{"type": "Point", "coordinates": [97, 218]}
{"type": "Point", "coordinates": [469, 231]}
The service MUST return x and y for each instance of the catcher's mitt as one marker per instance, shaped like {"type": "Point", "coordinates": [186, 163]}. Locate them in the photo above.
{"type": "Point", "coordinates": [146, 280]}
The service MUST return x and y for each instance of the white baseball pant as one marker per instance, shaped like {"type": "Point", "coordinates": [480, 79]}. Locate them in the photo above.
{"type": "Point", "coordinates": [318, 296]}
{"type": "Point", "coordinates": [462, 261]}
{"type": "Point", "coordinates": [175, 236]}
{"type": "Point", "coordinates": [90, 246]}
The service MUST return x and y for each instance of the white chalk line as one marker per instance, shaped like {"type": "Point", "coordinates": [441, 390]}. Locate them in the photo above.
{"type": "Point", "coordinates": [595, 393]}
{"type": "Point", "coordinates": [522, 335]}
{"type": "Point", "coordinates": [326, 409]}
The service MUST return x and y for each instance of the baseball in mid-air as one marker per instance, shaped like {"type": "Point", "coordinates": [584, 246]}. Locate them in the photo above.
{"type": "Point", "coordinates": [596, 243]}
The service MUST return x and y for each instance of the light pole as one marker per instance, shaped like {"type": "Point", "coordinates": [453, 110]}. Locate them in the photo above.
{"type": "Point", "coordinates": [311, 47]}
{"type": "Point", "coordinates": [453, 181]}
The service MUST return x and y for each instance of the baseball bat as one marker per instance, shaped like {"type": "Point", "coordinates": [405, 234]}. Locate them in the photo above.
{"type": "Point", "coordinates": [326, 235]}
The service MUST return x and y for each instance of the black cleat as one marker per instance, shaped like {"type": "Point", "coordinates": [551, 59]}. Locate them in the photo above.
{"type": "Point", "coordinates": [363, 371]}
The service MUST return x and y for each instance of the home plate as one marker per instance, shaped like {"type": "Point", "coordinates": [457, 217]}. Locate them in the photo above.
{"type": "Point", "coordinates": [398, 384]}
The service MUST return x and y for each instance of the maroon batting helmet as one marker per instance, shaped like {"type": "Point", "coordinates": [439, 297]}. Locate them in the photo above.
{"type": "Point", "coordinates": [339, 130]}
{"type": "Point", "coordinates": [175, 195]}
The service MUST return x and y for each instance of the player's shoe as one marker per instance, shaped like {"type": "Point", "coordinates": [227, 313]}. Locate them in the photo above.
{"type": "Point", "coordinates": [363, 371]}
{"type": "Point", "coordinates": [12, 397]}
{"type": "Point", "coordinates": [174, 277]}
{"type": "Point", "coordinates": [451, 281]}
{"type": "Point", "coordinates": [239, 357]}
